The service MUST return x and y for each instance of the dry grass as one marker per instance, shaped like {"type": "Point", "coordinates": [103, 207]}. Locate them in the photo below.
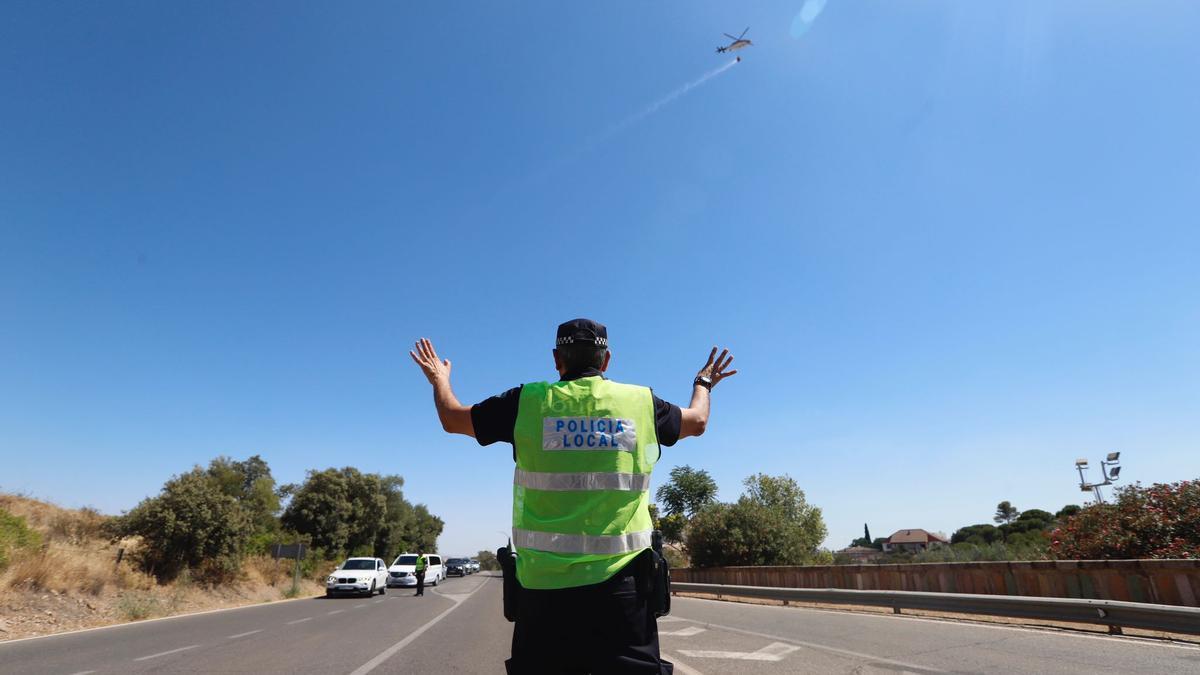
{"type": "Point", "coordinates": [74, 557]}
{"type": "Point", "coordinates": [72, 568]}
{"type": "Point", "coordinates": [72, 579]}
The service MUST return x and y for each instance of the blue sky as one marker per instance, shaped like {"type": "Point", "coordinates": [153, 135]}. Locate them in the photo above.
{"type": "Point", "coordinates": [952, 245]}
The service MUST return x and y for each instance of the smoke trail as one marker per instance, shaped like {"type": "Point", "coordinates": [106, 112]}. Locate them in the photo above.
{"type": "Point", "coordinates": [654, 107]}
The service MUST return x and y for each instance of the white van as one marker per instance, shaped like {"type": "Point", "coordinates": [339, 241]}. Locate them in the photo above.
{"type": "Point", "coordinates": [403, 570]}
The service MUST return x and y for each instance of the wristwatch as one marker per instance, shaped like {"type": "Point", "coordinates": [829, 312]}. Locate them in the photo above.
{"type": "Point", "coordinates": [703, 381]}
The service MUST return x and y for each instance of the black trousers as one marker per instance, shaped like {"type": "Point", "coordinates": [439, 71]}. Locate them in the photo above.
{"type": "Point", "coordinates": [601, 629]}
{"type": "Point", "coordinates": [420, 583]}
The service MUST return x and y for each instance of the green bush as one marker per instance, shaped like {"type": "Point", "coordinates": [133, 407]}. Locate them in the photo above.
{"type": "Point", "coordinates": [193, 525]}
{"type": "Point", "coordinates": [15, 535]}
{"type": "Point", "coordinates": [771, 524]}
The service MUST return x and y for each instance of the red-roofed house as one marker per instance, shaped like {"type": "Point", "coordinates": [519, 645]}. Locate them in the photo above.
{"type": "Point", "coordinates": [912, 540]}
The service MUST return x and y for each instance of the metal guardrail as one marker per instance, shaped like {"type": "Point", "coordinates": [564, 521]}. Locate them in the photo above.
{"type": "Point", "coordinates": [1112, 613]}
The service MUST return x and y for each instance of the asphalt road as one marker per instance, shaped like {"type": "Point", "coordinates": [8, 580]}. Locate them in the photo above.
{"type": "Point", "coordinates": [458, 628]}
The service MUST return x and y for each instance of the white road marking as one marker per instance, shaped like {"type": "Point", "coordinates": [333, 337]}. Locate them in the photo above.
{"type": "Point", "coordinates": [84, 672]}
{"type": "Point", "coordinates": [683, 632]}
{"type": "Point", "coordinates": [336, 611]}
{"type": "Point", "coordinates": [390, 651]}
{"type": "Point", "coordinates": [680, 667]}
{"type": "Point", "coordinates": [823, 648]}
{"type": "Point", "coordinates": [381, 600]}
{"type": "Point", "coordinates": [669, 619]}
{"type": "Point", "coordinates": [172, 651]}
{"type": "Point", "coordinates": [307, 618]}
{"type": "Point", "coordinates": [772, 652]}
{"type": "Point", "coordinates": [359, 606]}
{"type": "Point", "coordinates": [241, 635]}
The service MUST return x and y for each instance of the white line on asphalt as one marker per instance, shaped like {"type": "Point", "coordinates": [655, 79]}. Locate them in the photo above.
{"type": "Point", "coordinates": [84, 672]}
{"type": "Point", "coordinates": [336, 611]}
{"type": "Point", "coordinates": [359, 606]}
{"type": "Point", "coordinates": [172, 651]}
{"type": "Point", "coordinates": [680, 667]}
{"type": "Point", "coordinates": [381, 600]}
{"type": "Point", "coordinates": [240, 635]}
{"type": "Point", "coordinates": [307, 618]}
{"type": "Point", "coordinates": [683, 632]}
{"type": "Point", "coordinates": [772, 652]}
{"type": "Point", "coordinates": [821, 647]}
{"type": "Point", "coordinates": [390, 651]}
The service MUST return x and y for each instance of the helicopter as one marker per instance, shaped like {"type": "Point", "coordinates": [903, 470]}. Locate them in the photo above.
{"type": "Point", "coordinates": [738, 43]}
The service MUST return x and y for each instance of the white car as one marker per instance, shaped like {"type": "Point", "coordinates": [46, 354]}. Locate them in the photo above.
{"type": "Point", "coordinates": [360, 576]}
{"type": "Point", "coordinates": [403, 570]}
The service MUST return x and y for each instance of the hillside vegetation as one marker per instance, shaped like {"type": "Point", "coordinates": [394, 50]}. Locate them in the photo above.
{"type": "Point", "coordinates": [59, 571]}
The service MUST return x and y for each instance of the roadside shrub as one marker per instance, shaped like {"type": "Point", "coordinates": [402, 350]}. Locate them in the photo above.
{"type": "Point", "coordinates": [15, 536]}
{"type": "Point", "coordinates": [1159, 521]}
{"type": "Point", "coordinates": [137, 605]}
{"type": "Point", "coordinates": [193, 525]}
{"type": "Point", "coordinates": [771, 524]}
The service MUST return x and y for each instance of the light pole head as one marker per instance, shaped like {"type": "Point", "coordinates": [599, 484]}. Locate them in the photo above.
{"type": "Point", "coordinates": [1081, 462]}
{"type": "Point", "coordinates": [1113, 456]}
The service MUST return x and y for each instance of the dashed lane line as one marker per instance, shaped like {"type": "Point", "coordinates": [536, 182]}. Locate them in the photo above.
{"type": "Point", "coordinates": [170, 651]}
{"type": "Point", "coordinates": [242, 635]}
{"type": "Point", "coordinates": [336, 611]}
{"type": "Point", "coordinates": [390, 651]}
{"type": "Point", "coordinates": [292, 623]}
{"type": "Point", "coordinates": [359, 606]}
{"type": "Point", "coordinates": [84, 672]}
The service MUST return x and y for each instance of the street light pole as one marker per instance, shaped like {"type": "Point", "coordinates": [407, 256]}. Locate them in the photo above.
{"type": "Point", "coordinates": [1110, 469]}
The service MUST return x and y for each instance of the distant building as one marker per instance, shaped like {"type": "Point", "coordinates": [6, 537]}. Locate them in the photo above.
{"type": "Point", "coordinates": [861, 554]}
{"type": "Point", "coordinates": [913, 540]}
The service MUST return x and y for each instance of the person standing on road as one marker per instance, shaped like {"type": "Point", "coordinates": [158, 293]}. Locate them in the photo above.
{"type": "Point", "coordinates": [419, 572]}
{"type": "Point", "coordinates": [584, 447]}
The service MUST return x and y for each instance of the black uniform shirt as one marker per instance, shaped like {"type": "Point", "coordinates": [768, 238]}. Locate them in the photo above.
{"type": "Point", "coordinates": [495, 418]}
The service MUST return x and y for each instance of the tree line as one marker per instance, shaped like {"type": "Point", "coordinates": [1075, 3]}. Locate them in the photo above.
{"type": "Point", "coordinates": [1156, 521]}
{"type": "Point", "coordinates": [209, 519]}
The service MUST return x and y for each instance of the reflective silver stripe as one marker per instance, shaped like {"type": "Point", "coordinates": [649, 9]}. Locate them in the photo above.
{"type": "Point", "coordinates": [537, 480]}
{"type": "Point", "coordinates": [581, 543]}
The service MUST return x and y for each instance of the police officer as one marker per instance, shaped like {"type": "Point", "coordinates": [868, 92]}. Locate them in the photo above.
{"type": "Point", "coordinates": [419, 572]}
{"type": "Point", "coordinates": [584, 448]}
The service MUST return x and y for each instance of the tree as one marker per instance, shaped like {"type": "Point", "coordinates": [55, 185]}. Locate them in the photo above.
{"type": "Point", "coordinates": [340, 510]}
{"type": "Point", "coordinates": [979, 535]}
{"type": "Point", "coordinates": [345, 511]}
{"type": "Point", "coordinates": [251, 483]}
{"type": "Point", "coordinates": [687, 492]}
{"type": "Point", "coordinates": [865, 540]}
{"type": "Point", "coordinates": [1005, 512]}
{"type": "Point", "coordinates": [191, 524]}
{"type": "Point", "coordinates": [487, 560]}
{"type": "Point", "coordinates": [770, 524]}
{"type": "Point", "coordinates": [1159, 521]}
{"type": "Point", "coordinates": [1067, 511]}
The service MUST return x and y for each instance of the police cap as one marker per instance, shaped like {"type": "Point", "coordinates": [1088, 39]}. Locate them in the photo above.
{"type": "Point", "coordinates": [581, 331]}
